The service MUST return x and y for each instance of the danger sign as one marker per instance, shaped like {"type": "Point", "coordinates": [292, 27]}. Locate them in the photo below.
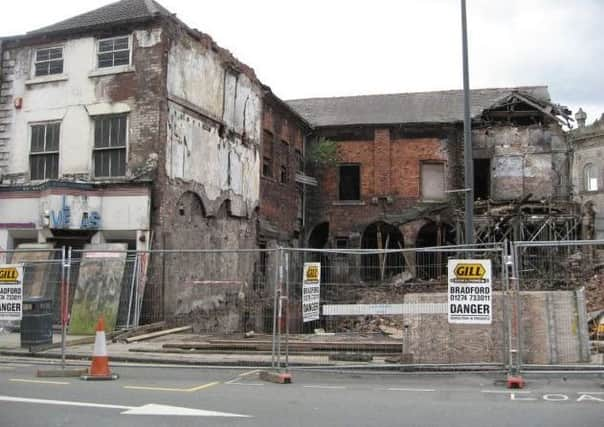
{"type": "Point", "coordinates": [11, 291]}
{"type": "Point", "coordinates": [469, 291]}
{"type": "Point", "coordinates": [311, 291]}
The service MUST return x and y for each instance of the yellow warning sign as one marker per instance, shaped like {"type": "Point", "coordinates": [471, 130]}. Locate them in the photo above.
{"type": "Point", "coordinates": [9, 274]}
{"type": "Point", "coordinates": [469, 271]}
{"type": "Point", "coordinates": [312, 273]}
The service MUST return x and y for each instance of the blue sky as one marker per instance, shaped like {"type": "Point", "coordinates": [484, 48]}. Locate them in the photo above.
{"type": "Point", "coordinates": [337, 48]}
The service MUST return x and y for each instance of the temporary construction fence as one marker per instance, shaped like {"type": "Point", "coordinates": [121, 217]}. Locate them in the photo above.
{"type": "Point", "coordinates": [382, 307]}
{"type": "Point", "coordinates": [388, 306]}
{"type": "Point", "coordinates": [394, 306]}
{"type": "Point", "coordinates": [561, 287]}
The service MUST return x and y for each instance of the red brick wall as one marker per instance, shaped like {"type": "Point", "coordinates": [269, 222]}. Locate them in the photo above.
{"type": "Point", "coordinates": [279, 201]}
{"type": "Point", "coordinates": [390, 167]}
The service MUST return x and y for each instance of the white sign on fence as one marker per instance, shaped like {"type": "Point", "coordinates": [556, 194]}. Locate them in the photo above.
{"type": "Point", "coordinates": [311, 291]}
{"type": "Point", "coordinates": [383, 309]}
{"type": "Point", "coordinates": [11, 291]}
{"type": "Point", "coordinates": [469, 290]}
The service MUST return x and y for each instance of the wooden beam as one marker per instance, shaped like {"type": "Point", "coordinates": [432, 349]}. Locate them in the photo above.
{"type": "Point", "coordinates": [158, 334]}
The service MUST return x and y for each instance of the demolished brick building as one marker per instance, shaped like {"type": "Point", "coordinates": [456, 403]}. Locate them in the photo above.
{"type": "Point", "coordinates": [127, 116]}
{"type": "Point", "coordinates": [399, 174]}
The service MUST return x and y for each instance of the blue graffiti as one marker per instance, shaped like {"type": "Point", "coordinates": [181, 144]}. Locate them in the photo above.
{"type": "Point", "coordinates": [62, 219]}
{"type": "Point", "coordinates": [91, 221]}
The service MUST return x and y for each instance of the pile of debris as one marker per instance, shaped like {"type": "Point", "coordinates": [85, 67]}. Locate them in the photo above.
{"type": "Point", "coordinates": [594, 292]}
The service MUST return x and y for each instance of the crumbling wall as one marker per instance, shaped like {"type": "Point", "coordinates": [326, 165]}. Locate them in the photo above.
{"type": "Point", "coordinates": [281, 196]}
{"type": "Point", "coordinates": [525, 160]}
{"type": "Point", "coordinates": [208, 189]}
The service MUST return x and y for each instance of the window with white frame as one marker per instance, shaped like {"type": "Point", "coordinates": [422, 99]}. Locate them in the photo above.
{"type": "Point", "coordinates": [590, 173]}
{"type": "Point", "coordinates": [44, 152]}
{"type": "Point", "coordinates": [49, 60]}
{"type": "Point", "coordinates": [109, 154]}
{"type": "Point", "coordinates": [114, 51]}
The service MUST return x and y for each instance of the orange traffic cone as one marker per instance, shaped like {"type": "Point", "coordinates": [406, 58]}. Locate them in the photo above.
{"type": "Point", "coordinates": [99, 368]}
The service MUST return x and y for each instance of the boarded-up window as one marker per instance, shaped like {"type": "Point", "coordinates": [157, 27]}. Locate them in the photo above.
{"type": "Point", "coordinates": [433, 181]}
{"type": "Point", "coordinates": [109, 153]}
{"type": "Point", "coordinates": [44, 154]}
{"type": "Point", "coordinates": [350, 182]}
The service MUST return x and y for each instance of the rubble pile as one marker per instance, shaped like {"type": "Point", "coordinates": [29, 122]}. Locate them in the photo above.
{"type": "Point", "coordinates": [390, 293]}
{"type": "Point", "coordinates": [594, 292]}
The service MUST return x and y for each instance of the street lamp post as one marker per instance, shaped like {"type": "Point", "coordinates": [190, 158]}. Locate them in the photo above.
{"type": "Point", "coordinates": [467, 129]}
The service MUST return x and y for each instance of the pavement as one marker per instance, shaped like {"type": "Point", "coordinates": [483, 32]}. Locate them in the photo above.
{"type": "Point", "coordinates": [153, 351]}
{"type": "Point", "coordinates": [159, 395]}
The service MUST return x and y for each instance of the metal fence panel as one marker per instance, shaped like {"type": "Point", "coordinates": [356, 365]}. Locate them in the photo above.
{"type": "Point", "coordinates": [389, 306]}
{"type": "Point", "coordinates": [558, 285]}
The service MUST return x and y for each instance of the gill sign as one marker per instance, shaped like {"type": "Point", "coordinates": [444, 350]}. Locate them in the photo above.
{"type": "Point", "coordinates": [11, 291]}
{"type": "Point", "coordinates": [469, 291]}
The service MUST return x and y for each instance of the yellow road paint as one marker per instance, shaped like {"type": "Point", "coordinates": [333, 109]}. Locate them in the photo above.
{"type": "Point", "coordinates": [181, 390]}
{"type": "Point", "coordinates": [20, 380]}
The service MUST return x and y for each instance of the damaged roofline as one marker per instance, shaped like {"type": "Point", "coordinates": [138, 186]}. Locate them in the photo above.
{"type": "Point", "coordinates": [268, 92]}
{"type": "Point", "coordinates": [81, 30]}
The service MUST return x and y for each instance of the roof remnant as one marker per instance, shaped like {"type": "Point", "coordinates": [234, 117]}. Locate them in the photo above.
{"type": "Point", "coordinates": [120, 12]}
{"type": "Point", "coordinates": [419, 107]}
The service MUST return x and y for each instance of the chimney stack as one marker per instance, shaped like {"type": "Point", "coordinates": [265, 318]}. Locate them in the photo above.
{"type": "Point", "coordinates": [580, 116]}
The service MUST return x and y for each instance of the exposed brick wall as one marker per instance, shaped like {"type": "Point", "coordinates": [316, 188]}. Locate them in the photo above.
{"type": "Point", "coordinates": [280, 200]}
{"type": "Point", "coordinates": [390, 168]}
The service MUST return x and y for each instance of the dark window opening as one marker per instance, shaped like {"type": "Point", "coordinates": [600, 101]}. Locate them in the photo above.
{"type": "Point", "coordinates": [341, 242]}
{"type": "Point", "coordinates": [267, 154]}
{"type": "Point", "coordinates": [379, 266]}
{"type": "Point", "coordinates": [113, 52]}
{"type": "Point", "coordinates": [482, 179]}
{"type": "Point", "coordinates": [49, 61]}
{"type": "Point", "coordinates": [319, 238]}
{"type": "Point", "coordinates": [44, 154]}
{"type": "Point", "coordinates": [267, 167]}
{"type": "Point", "coordinates": [283, 175]}
{"type": "Point", "coordinates": [299, 161]}
{"type": "Point", "coordinates": [433, 265]}
{"type": "Point", "coordinates": [350, 182]}
{"type": "Point", "coordinates": [109, 155]}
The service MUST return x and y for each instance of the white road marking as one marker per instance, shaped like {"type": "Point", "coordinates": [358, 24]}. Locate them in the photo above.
{"type": "Point", "coordinates": [149, 409]}
{"type": "Point", "coordinates": [245, 374]}
{"type": "Point", "coordinates": [61, 402]}
{"type": "Point", "coordinates": [513, 397]}
{"type": "Point", "coordinates": [588, 397]}
{"type": "Point", "coordinates": [426, 390]}
{"type": "Point", "coordinates": [236, 383]}
{"type": "Point", "coordinates": [20, 380]}
{"type": "Point", "coordinates": [154, 409]}
{"type": "Point", "coordinates": [327, 387]}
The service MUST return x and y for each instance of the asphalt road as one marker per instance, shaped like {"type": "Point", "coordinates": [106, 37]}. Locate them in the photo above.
{"type": "Point", "coordinates": [143, 395]}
